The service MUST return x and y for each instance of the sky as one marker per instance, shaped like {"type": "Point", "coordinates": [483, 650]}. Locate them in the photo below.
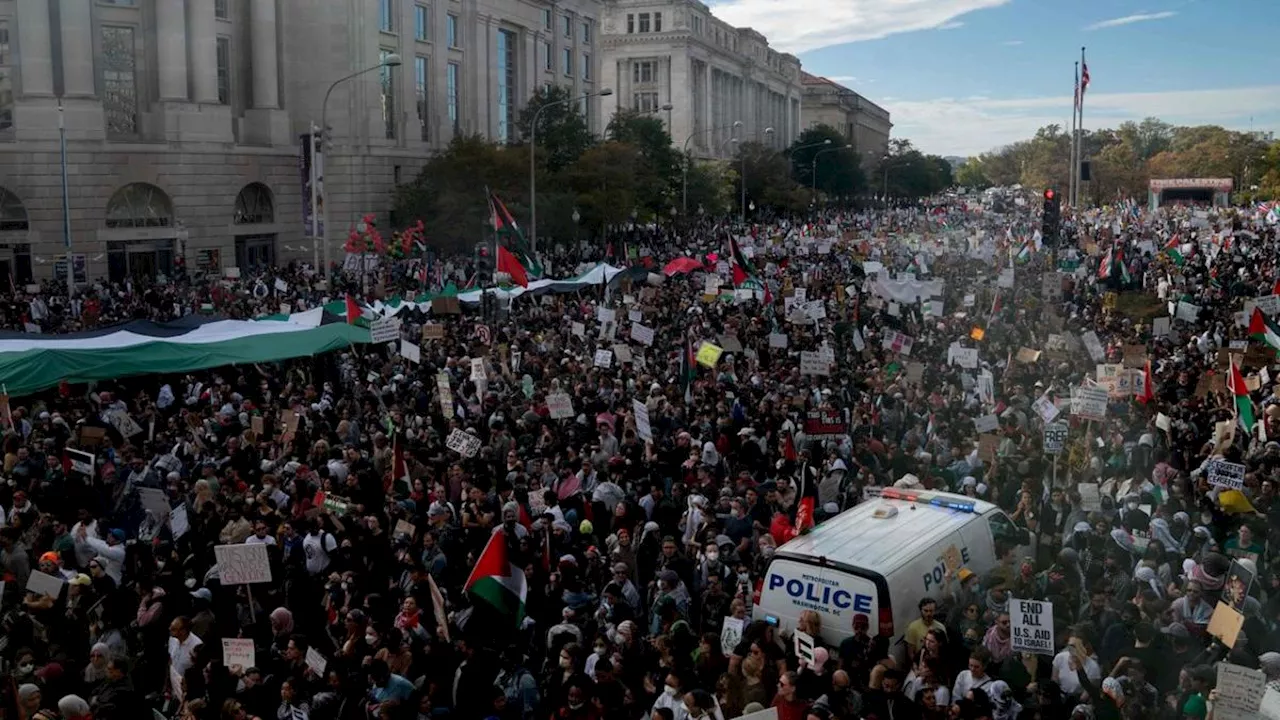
{"type": "Point", "coordinates": [962, 77]}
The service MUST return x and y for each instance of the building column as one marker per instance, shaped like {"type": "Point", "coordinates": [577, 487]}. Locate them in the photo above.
{"type": "Point", "coordinates": [266, 66]}
{"type": "Point", "coordinates": [171, 43]}
{"type": "Point", "coordinates": [77, 48]}
{"type": "Point", "coordinates": [36, 58]}
{"type": "Point", "coordinates": [203, 34]}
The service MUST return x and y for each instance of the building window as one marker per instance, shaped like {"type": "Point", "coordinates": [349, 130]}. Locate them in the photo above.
{"type": "Point", "coordinates": [13, 215]}
{"type": "Point", "coordinates": [506, 85]}
{"type": "Point", "coordinates": [631, 23]}
{"type": "Point", "coordinates": [643, 71]}
{"type": "Point", "coordinates": [586, 32]}
{"type": "Point", "coordinates": [220, 10]}
{"type": "Point", "coordinates": [422, 22]}
{"type": "Point", "coordinates": [6, 79]}
{"type": "Point", "coordinates": [119, 80]}
{"type": "Point", "coordinates": [657, 22]}
{"type": "Point", "coordinates": [388, 95]}
{"type": "Point", "coordinates": [451, 78]}
{"type": "Point", "coordinates": [548, 59]}
{"type": "Point", "coordinates": [566, 60]}
{"type": "Point", "coordinates": [546, 18]}
{"type": "Point", "coordinates": [566, 27]}
{"type": "Point", "coordinates": [254, 206]}
{"type": "Point", "coordinates": [644, 101]}
{"type": "Point", "coordinates": [139, 205]}
{"type": "Point", "coordinates": [697, 24]}
{"type": "Point", "coordinates": [224, 70]}
{"type": "Point", "coordinates": [255, 252]}
{"type": "Point", "coordinates": [586, 66]}
{"type": "Point", "coordinates": [420, 89]}
{"type": "Point", "coordinates": [644, 23]}
{"type": "Point", "coordinates": [386, 15]}
{"type": "Point", "coordinates": [451, 29]}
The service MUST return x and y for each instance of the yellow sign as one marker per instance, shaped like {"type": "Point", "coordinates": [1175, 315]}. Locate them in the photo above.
{"type": "Point", "coordinates": [977, 334]}
{"type": "Point", "coordinates": [1109, 301]}
{"type": "Point", "coordinates": [709, 355]}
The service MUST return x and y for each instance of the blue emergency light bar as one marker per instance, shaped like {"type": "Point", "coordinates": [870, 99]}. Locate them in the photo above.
{"type": "Point", "coordinates": [927, 498]}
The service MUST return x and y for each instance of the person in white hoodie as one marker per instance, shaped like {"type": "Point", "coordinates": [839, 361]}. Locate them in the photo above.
{"type": "Point", "coordinates": [112, 549]}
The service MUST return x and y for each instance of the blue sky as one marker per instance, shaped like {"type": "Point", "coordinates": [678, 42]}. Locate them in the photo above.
{"type": "Point", "coordinates": [965, 76]}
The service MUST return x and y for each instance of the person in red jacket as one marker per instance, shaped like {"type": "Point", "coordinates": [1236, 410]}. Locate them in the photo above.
{"type": "Point", "coordinates": [790, 707]}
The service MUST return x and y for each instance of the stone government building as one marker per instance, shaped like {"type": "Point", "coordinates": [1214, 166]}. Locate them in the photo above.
{"type": "Point", "coordinates": [184, 117]}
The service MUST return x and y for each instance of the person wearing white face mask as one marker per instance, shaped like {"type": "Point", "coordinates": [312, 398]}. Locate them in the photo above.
{"type": "Point", "coordinates": [711, 566]}
{"type": "Point", "coordinates": [672, 697]}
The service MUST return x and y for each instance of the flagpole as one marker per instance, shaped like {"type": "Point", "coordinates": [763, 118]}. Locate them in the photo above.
{"type": "Point", "coordinates": [1075, 171]}
{"type": "Point", "coordinates": [1075, 107]}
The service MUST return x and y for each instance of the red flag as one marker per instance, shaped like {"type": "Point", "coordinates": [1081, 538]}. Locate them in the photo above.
{"type": "Point", "coordinates": [507, 263]}
{"type": "Point", "coordinates": [804, 515]}
{"type": "Point", "coordinates": [353, 310]}
{"type": "Point", "coordinates": [1147, 392]}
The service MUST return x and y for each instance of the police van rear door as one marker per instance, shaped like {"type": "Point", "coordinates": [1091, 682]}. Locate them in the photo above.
{"type": "Point", "coordinates": [791, 586]}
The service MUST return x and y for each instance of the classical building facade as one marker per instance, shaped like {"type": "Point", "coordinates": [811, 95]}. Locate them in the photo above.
{"type": "Point", "coordinates": [660, 52]}
{"type": "Point", "coordinates": [184, 118]}
{"type": "Point", "coordinates": [865, 124]}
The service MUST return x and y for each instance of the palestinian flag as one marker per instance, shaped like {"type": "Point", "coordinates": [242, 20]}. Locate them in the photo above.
{"type": "Point", "coordinates": [743, 271]}
{"type": "Point", "coordinates": [1263, 330]}
{"type": "Point", "coordinates": [1024, 252]}
{"type": "Point", "coordinates": [1147, 389]}
{"type": "Point", "coordinates": [496, 581]}
{"type": "Point", "coordinates": [1172, 252]}
{"type": "Point", "coordinates": [505, 227]}
{"type": "Point", "coordinates": [1240, 393]}
{"type": "Point", "coordinates": [353, 310]}
{"type": "Point", "coordinates": [509, 264]}
{"type": "Point", "coordinates": [688, 369]}
{"type": "Point", "coordinates": [1104, 267]}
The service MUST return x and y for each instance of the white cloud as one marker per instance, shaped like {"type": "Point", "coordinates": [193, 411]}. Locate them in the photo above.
{"type": "Point", "coordinates": [950, 26]}
{"type": "Point", "coordinates": [1012, 43]}
{"type": "Point", "coordinates": [1131, 19]}
{"type": "Point", "coordinates": [842, 79]}
{"type": "Point", "coordinates": [967, 126]}
{"type": "Point", "coordinates": [801, 25]}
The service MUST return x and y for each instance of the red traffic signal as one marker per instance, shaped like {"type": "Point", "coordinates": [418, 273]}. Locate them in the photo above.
{"type": "Point", "coordinates": [1048, 194]}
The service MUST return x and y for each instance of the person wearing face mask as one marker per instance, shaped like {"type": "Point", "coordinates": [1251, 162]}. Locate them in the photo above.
{"type": "Point", "coordinates": [672, 697]}
{"type": "Point", "coordinates": [578, 704]}
{"type": "Point", "coordinates": [711, 566]}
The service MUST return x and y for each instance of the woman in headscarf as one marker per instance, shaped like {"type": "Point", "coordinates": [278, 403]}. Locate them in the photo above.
{"type": "Point", "coordinates": [95, 673]}
{"type": "Point", "coordinates": [1003, 704]}
{"type": "Point", "coordinates": [1146, 576]}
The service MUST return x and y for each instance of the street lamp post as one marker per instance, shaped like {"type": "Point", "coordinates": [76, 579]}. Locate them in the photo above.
{"type": "Point", "coordinates": [392, 60]}
{"type": "Point", "coordinates": [533, 152]}
{"type": "Point", "coordinates": [885, 160]}
{"type": "Point", "coordinates": [684, 203]}
{"type": "Point", "coordinates": [814, 170]}
{"type": "Point", "coordinates": [742, 177]}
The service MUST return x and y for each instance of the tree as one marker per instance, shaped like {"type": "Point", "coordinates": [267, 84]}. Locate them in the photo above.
{"type": "Point", "coordinates": [838, 168]}
{"type": "Point", "coordinates": [659, 172]}
{"type": "Point", "coordinates": [906, 172]}
{"type": "Point", "coordinates": [448, 195]}
{"type": "Point", "coordinates": [604, 180]}
{"type": "Point", "coordinates": [562, 132]}
{"type": "Point", "coordinates": [768, 177]}
{"type": "Point", "coordinates": [972, 175]}
{"type": "Point", "coordinates": [710, 188]}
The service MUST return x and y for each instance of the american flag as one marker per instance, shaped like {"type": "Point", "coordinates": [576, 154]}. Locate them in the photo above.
{"type": "Point", "coordinates": [1084, 79]}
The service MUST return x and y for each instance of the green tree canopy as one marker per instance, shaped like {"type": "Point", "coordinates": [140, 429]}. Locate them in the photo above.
{"type": "Point", "coordinates": [562, 132]}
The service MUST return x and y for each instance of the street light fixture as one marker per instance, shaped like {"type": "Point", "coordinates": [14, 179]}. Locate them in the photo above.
{"type": "Point", "coordinates": [390, 61]}
{"type": "Point", "coordinates": [533, 151]}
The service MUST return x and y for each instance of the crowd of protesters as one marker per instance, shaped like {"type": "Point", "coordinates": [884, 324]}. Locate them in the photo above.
{"type": "Point", "coordinates": [636, 551]}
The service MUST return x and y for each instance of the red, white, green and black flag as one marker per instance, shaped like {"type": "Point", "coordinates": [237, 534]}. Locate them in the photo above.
{"type": "Point", "coordinates": [744, 272]}
{"type": "Point", "coordinates": [1240, 394]}
{"type": "Point", "coordinates": [496, 581]}
{"type": "Point", "coordinates": [1263, 330]}
{"type": "Point", "coordinates": [688, 369]}
{"type": "Point", "coordinates": [1172, 252]}
{"type": "Point", "coordinates": [509, 234]}
{"type": "Point", "coordinates": [1147, 390]}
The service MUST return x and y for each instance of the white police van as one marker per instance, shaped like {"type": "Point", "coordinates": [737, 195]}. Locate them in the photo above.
{"type": "Point", "coordinates": [879, 559]}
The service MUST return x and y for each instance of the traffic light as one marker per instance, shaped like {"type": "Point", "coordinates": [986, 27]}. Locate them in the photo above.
{"type": "Point", "coordinates": [1051, 217]}
{"type": "Point", "coordinates": [484, 262]}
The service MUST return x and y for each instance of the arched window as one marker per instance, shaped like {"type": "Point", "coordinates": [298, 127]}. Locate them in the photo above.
{"type": "Point", "coordinates": [254, 205]}
{"type": "Point", "coordinates": [13, 215]}
{"type": "Point", "coordinates": [139, 205]}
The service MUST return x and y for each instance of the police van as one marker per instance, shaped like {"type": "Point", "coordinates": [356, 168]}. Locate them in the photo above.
{"type": "Point", "coordinates": [880, 559]}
